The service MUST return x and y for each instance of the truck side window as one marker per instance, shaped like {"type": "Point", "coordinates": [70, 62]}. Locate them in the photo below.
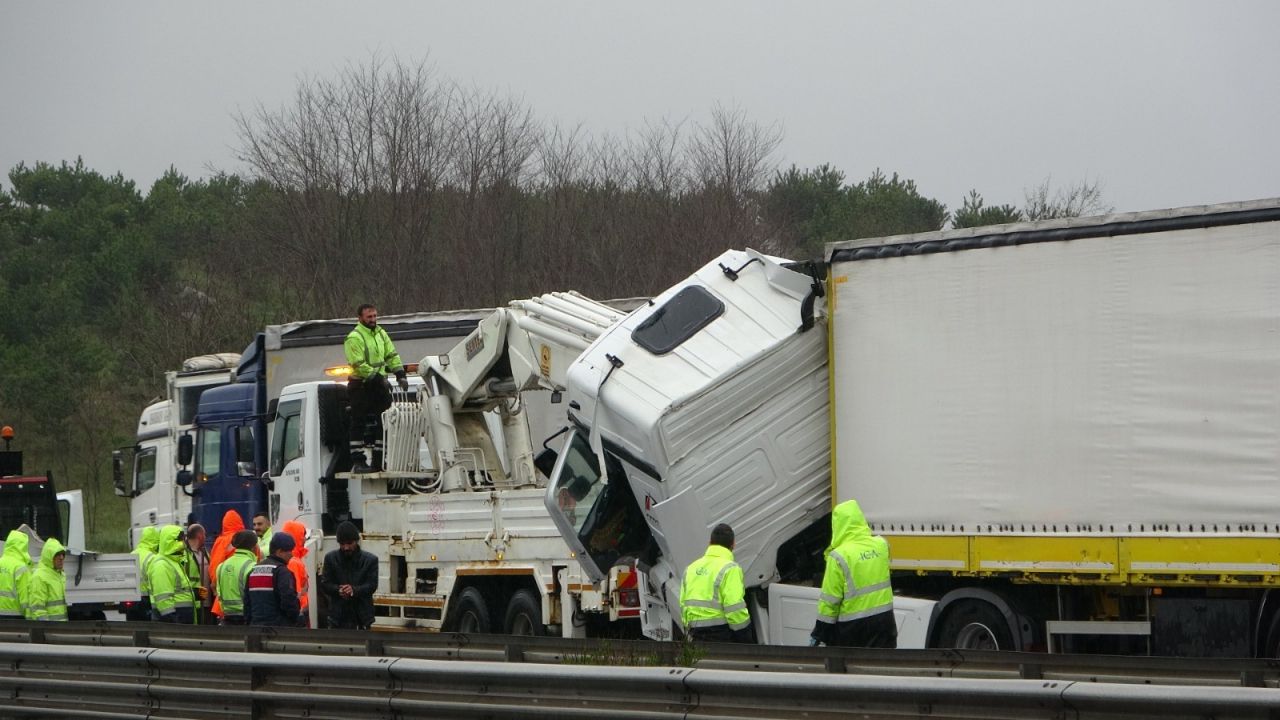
{"type": "Point", "coordinates": [144, 471]}
{"type": "Point", "coordinates": [244, 444]}
{"type": "Point", "coordinates": [210, 444]}
{"type": "Point", "coordinates": [286, 435]}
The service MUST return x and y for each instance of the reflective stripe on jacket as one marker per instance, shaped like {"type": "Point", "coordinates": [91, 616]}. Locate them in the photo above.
{"type": "Point", "coordinates": [856, 583]}
{"type": "Point", "coordinates": [713, 592]}
{"type": "Point", "coordinates": [370, 352]}
{"type": "Point", "coordinates": [233, 573]}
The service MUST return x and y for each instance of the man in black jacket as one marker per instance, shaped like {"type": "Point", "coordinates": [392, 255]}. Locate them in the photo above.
{"type": "Point", "coordinates": [271, 594]}
{"type": "Point", "coordinates": [348, 579]}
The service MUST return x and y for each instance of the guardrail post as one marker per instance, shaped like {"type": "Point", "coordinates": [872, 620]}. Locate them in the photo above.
{"type": "Point", "coordinates": [514, 653]}
{"type": "Point", "coordinates": [1030, 671]}
{"type": "Point", "coordinates": [141, 638]}
{"type": "Point", "coordinates": [835, 664]}
{"type": "Point", "coordinates": [1252, 678]}
{"type": "Point", "coordinates": [37, 636]}
{"type": "Point", "coordinates": [375, 647]}
{"type": "Point", "coordinates": [253, 640]}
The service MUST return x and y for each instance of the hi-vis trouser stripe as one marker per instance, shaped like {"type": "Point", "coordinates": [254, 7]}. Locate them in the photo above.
{"type": "Point", "coordinates": [715, 603]}
{"type": "Point", "coordinates": [852, 591]}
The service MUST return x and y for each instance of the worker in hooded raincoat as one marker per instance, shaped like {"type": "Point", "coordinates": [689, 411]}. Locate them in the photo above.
{"type": "Point", "coordinates": [172, 593]}
{"type": "Point", "coordinates": [302, 583]}
{"type": "Point", "coordinates": [232, 523]}
{"type": "Point", "coordinates": [47, 588]}
{"type": "Point", "coordinates": [15, 572]}
{"type": "Point", "coordinates": [145, 551]}
{"type": "Point", "coordinates": [855, 608]}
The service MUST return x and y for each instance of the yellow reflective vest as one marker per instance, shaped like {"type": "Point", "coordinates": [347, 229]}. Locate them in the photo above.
{"type": "Point", "coordinates": [233, 573]}
{"type": "Point", "coordinates": [713, 593]}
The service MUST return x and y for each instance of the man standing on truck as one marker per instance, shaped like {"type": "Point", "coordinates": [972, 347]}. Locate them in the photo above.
{"type": "Point", "coordinates": [349, 578]}
{"type": "Point", "coordinates": [855, 608]}
{"type": "Point", "coordinates": [713, 598]}
{"type": "Point", "coordinates": [15, 572]}
{"type": "Point", "coordinates": [371, 355]}
{"type": "Point", "coordinates": [47, 588]}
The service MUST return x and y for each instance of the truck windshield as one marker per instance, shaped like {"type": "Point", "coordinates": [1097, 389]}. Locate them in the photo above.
{"type": "Point", "coordinates": [605, 517]}
{"type": "Point", "coordinates": [578, 485]}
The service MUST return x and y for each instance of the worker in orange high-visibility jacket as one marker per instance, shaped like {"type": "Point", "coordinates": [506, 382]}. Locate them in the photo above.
{"type": "Point", "coordinates": [298, 532]}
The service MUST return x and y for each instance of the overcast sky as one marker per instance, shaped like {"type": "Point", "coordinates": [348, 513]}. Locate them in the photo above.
{"type": "Point", "coordinates": [1166, 103]}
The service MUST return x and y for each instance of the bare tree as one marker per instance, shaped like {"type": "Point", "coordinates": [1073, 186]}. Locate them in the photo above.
{"type": "Point", "coordinates": [1076, 200]}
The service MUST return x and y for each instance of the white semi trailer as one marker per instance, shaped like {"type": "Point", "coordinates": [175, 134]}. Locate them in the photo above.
{"type": "Point", "coordinates": [1067, 430]}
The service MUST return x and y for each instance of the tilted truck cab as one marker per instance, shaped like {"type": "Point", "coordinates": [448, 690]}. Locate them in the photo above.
{"type": "Point", "coordinates": [1065, 429]}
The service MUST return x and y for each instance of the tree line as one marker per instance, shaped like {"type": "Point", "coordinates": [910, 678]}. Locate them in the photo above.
{"type": "Point", "coordinates": [385, 183]}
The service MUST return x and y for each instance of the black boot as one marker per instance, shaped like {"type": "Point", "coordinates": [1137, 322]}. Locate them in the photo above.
{"type": "Point", "coordinates": [358, 464]}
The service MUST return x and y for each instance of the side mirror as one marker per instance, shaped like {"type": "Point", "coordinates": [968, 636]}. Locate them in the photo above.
{"type": "Point", "coordinates": [123, 488]}
{"type": "Point", "coordinates": [186, 451]}
{"type": "Point", "coordinates": [545, 461]}
{"type": "Point", "coordinates": [272, 405]}
{"type": "Point", "coordinates": [245, 468]}
{"type": "Point", "coordinates": [184, 478]}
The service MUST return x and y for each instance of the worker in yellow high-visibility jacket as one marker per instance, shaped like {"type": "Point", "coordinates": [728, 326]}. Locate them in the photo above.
{"type": "Point", "coordinates": [855, 608]}
{"type": "Point", "coordinates": [713, 598]}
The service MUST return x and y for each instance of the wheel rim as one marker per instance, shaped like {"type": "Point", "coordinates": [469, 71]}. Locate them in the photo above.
{"type": "Point", "coordinates": [976, 636]}
{"type": "Point", "coordinates": [521, 624]}
{"type": "Point", "coordinates": [469, 622]}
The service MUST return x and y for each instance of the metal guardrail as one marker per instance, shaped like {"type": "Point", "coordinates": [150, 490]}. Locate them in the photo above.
{"type": "Point", "coordinates": [114, 682]}
{"type": "Point", "coordinates": [1219, 672]}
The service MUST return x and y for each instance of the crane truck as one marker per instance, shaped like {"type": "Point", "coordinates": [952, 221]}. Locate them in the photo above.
{"type": "Point", "coordinates": [1066, 430]}
{"type": "Point", "coordinates": [454, 512]}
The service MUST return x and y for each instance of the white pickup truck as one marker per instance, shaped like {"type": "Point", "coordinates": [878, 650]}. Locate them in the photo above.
{"type": "Point", "coordinates": [96, 582]}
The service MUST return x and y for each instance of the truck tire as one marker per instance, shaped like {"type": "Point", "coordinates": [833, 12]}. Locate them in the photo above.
{"type": "Point", "coordinates": [974, 625]}
{"type": "Point", "coordinates": [524, 615]}
{"type": "Point", "coordinates": [470, 613]}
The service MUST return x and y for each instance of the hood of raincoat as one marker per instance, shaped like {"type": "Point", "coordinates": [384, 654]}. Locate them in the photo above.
{"type": "Point", "coordinates": [51, 547]}
{"type": "Point", "coordinates": [148, 541]}
{"type": "Point", "coordinates": [18, 546]}
{"type": "Point", "coordinates": [298, 532]}
{"type": "Point", "coordinates": [171, 543]}
{"type": "Point", "coordinates": [847, 524]}
{"type": "Point", "coordinates": [232, 523]}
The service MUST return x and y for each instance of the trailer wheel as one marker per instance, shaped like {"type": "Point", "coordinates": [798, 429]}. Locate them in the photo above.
{"type": "Point", "coordinates": [470, 613]}
{"type": "Point", "coordinates": [974, 625]}
{"type": "Point", "coordinates": [524, 615]}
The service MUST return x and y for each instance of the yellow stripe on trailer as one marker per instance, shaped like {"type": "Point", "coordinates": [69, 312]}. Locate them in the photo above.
{"type": "Point", "coordinates": [833, 286]}
{"type": "Point", "coordinates": [1106, 560]}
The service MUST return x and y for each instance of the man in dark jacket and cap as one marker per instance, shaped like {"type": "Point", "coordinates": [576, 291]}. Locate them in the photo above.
{"type": "Point", "coordinates": [271, 594]}
{"type": "Point", "coordinates": [348, 579]}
